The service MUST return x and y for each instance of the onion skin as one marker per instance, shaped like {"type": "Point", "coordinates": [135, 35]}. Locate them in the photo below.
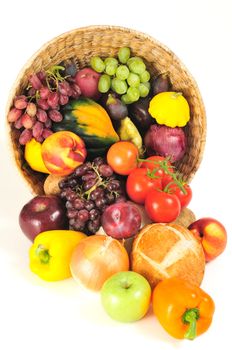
{"type": "Point", "coordinates": [165, 141]}
{"type": "Point", "coordinates": [97, 259]}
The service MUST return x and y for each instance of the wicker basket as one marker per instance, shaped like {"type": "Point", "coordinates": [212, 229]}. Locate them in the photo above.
{"type": "Point", "coordinates": [105, 41]}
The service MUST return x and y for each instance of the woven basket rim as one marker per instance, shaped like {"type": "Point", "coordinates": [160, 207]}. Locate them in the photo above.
{"type": "Point", "coordinates": [94, 28]}
{"type": "Point", "coordinates": [112, 28]}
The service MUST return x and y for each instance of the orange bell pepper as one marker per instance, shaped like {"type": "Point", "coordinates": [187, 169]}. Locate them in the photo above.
{"type": "Point", "coordinates": [183, 309]}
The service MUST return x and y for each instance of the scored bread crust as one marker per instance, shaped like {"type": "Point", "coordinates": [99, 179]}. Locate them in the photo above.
{"type": "Point", "coordinates": [161, 251]}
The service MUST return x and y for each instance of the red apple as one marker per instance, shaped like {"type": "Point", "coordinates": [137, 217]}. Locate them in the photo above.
{"type": "Point", "coordinates": [87, 80]}
{"type": "Point", "coordinates": [42, 213]}
{"type": "Point", "coordinates": [212, 235]}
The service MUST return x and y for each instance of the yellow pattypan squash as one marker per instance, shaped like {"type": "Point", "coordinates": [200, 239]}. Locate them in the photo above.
{"type": "Point", "coordinates": [170, 108]}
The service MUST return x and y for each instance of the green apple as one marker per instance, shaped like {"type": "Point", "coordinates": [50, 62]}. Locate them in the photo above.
{"type": "Point", "coordinates": [126, 296]}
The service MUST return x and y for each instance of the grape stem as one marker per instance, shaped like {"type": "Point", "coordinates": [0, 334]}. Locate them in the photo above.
{"type": "Point", "coordinates": [53, 73]}
{"type": "Point", "coordinates": [97, 184]}
{"type": "Point", "coordinates": [35, 97]}
{"type": "Point", "coordinates": [100, 182]}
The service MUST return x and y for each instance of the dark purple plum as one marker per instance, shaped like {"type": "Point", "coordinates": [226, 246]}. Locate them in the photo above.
{"type": "Point", "coordinates": [161, 83]}
{"type": "Point", "coordinates": [121, 220]}
{"type": "Point", "coordinates": [139, 114]}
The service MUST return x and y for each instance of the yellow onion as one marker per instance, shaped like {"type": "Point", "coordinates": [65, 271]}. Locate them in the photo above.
{"type": "Point", "coordinates": [95, 259]}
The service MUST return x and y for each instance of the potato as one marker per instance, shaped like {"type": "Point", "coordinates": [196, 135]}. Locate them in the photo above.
{"type": "Point", "coordinates": [185, 218]}
{"type": "Point", "coordinates": [51, 184]}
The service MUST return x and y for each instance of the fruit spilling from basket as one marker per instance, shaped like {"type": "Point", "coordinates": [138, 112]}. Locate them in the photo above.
{"type": "Point", "coordinates": [108, 137]}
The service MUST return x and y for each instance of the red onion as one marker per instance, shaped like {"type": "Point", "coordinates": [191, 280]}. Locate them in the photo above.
{"type": "Point", "coordinates": [166, 142]}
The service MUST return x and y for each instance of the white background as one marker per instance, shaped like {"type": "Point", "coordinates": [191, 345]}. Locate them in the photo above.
{"type": "Point", "coordinates": [35, 314]}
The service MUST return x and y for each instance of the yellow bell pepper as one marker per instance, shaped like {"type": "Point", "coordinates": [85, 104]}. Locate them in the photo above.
{"type": "Point", "coordinates": [51, 253]}
{"type": "Point", "coordinates": [170, 108]}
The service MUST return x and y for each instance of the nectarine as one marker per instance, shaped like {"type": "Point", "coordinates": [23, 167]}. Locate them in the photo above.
{"type": "Point", "coordinates": [212, 235]}
{"type": "Point", "coordinates": [62, 152]}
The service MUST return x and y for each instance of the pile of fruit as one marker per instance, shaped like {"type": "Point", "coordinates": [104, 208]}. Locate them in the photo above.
{"type": "Point", "coordinates": [114, 214]}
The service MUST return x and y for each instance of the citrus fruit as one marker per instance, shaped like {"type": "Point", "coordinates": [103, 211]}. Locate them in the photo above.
{"type": "Point", "coordinates": [33, 156]}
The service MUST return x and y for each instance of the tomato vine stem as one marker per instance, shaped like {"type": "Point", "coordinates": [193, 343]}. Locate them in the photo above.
{"type": "Point", "coordinates": [163, 164]}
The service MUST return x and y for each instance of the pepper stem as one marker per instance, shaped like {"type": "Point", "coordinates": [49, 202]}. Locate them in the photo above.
{"type": "Point", "coordinates": [43, 254]}
{"type": "Point", "coordinates": [190, 317]}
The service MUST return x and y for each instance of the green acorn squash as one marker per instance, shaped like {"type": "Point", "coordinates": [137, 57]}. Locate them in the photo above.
{"type": "Point", "coordinates": [91, 122]}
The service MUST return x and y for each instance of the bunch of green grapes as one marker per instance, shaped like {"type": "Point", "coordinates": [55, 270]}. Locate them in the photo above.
{"type": "Point", "coordinates": [127, 76]}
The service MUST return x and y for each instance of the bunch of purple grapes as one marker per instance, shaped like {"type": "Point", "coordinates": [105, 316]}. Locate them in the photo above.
{"type": "Point", "coordinates": [88, 191]}
{"type": "Point", "coordinates": [35, 110]}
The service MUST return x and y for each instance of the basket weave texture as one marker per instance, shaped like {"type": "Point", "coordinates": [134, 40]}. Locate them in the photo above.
{"type": "Point", "coordinates": [104, 41]}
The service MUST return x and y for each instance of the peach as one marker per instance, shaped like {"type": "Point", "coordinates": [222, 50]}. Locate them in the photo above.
{"type": "Point", "coordinates": [62, 152]}
{"type": "Point", "coordinates": [212, 235]}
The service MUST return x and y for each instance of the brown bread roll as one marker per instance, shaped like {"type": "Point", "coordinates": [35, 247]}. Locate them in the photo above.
{"type": "Point", "coordinates": [167, 250]}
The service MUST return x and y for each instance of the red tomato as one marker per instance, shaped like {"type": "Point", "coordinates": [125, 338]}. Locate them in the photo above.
{"type": "Point", "coordinates": [153, 163]}
{"type": "Point", "coordinates": [184, 198]}
{"type": "Point", "coordinates": [139, 183]}
{"type": "Point", "coordinates": [162, 206]}
{"type": "Point", "coordinates": [122, 157]}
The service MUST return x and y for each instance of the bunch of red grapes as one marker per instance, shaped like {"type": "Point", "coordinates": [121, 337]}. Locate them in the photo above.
{"type": "Point", "coordinates": [88, 191]}
{"type": "Point", "coordinates": [34, 112]}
